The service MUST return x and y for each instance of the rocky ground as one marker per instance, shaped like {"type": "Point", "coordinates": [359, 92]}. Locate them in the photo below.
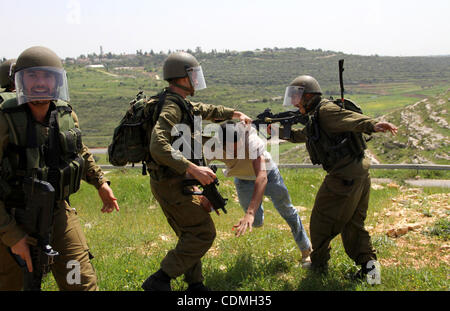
{"type": "Point", "coordinates": [418, 224]}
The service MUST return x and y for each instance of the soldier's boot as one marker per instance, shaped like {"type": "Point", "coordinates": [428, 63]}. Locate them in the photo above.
{"type": "Point", "coordinates": [158, 281]}
{"type": "Point", "coordinates": [197, 287]}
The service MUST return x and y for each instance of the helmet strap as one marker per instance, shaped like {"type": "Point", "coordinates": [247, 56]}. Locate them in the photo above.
{"type": "Point", "coordinates": [311, 104]}
{"type": "Point", "coordinates": [187, 89]}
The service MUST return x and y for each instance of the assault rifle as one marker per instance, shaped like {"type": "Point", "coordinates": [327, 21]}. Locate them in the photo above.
{"type": "Point", "coordinates": [36, 219]}
{"type": "Point", "coordinates": [209, 191]}
{"type": "Point", "coordinates": [286, 118]}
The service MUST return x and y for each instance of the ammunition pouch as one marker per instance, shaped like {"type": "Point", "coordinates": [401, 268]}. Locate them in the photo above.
{"type": "Point", "coordinates": [66, 180]}
{"type": "Point", "coordinates": [71, 141]}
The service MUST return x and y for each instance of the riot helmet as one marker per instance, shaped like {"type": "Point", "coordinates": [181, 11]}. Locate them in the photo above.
{"type": "Point", "coordinates": [182, 64]}
{"type": "Point", "coordinates": [40, 76]}
{"type": "Point", "coordinates": [297, 88]}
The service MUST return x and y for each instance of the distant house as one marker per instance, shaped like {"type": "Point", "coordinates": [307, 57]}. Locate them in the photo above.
{"type": "Point", "coordinates": [95, 66]}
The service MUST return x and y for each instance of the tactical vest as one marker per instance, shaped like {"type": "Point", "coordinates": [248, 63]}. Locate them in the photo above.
{"type": "Point", "coordinates": [52, 154]}
{"type": "Point", "coordinates": [4, 96]}
{"type": "Point", "coordinates": [328, 150]}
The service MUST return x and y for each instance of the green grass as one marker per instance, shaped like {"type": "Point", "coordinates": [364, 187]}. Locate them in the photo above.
{"type": "Point", "coordinates": [441, 229]}
{"type": "Point", "coordinates": [129, 245]}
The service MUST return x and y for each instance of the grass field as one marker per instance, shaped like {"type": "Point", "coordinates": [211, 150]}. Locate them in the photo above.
{"type": "Point", "coordinates": [129, 245]}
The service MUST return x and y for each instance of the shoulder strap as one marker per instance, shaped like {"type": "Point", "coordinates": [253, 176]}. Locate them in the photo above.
{"type": "Point", "coordinates": [177, 99]}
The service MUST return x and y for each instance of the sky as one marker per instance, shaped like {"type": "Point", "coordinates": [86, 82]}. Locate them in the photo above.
{"type": "Point", "coordinates": [75, 27]}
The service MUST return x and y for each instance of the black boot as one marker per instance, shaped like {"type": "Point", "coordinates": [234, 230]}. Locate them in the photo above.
{"type": "Point", "coordinates": [158, 281]}
{"type": "Point", "coordinates": [197, 287]}
{"type": "Point", "coordinates": [321, 269]}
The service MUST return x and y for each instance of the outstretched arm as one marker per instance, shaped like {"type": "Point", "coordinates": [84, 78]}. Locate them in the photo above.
{"type": "Point", "coordinates": [246, 222]}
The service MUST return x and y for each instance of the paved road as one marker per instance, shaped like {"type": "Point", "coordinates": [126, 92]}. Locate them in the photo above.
{"type": "Point", "coordinates": [98, 150]}
{"type": "Point", "coordinates": [428, 182]}
{"type": "Point", "coordinates": [445, 183]}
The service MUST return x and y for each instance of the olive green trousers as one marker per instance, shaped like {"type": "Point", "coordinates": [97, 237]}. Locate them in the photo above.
{"type": "Point", "coordinates": [193, 226]}
{"type": "Point", "coordinates": [70, 241]}
{"type": "Point", "coordinates": [341, 208]}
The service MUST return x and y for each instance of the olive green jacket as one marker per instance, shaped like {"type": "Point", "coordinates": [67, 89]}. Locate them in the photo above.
{"type": "Point", "coordinates": [334, 121]}
{"type": "Point", "coordinates": [161, 139]}
{"type": "Point", "coordinates": [10, 232]}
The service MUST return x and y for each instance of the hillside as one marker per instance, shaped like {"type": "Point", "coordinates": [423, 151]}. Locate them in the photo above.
{"type": "Point", "coordinates": [250, 81]}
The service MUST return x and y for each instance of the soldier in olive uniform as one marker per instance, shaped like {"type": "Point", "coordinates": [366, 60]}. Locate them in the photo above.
{"type": "Point", "coordinates": [25, 151]}
{"type": "Point", "coordinates": [333, 137]}
{"type": "Point", "coordinates": [6, 80]}
{"type": "Point", "coordinates": [186, 214]}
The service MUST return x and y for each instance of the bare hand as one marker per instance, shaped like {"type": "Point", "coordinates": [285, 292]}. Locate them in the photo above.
{"type": "Point", "coordinates": [202, 173]}
{"type": "Point", "coordinates": [22, 249]}
{"type": "Point", "coordinates": [108, 199]}
{"type": "Point", "coordinates": [386, 126]}
{"type": "Point", "coordinates": [243, 224]}
{"type": "Point", "coordinates": [242, 117]}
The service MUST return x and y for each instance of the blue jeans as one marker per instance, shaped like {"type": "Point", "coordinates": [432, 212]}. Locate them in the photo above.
{"type": "Point", "coordinates": [278, 193]}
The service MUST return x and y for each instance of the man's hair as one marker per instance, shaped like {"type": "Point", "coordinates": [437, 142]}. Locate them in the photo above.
{"type": "Point", "coordinates": [228, 132]}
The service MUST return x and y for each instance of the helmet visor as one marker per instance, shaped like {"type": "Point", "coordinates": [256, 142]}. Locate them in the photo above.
{"type": "Point", "coordinates": [197, 79]}
{"type": "Point", "coordinates": [292, 97]}
{"type": "Point", "coordinates": [41, 83]}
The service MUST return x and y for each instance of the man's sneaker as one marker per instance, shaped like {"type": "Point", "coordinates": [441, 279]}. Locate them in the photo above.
{"type": "Point", "coordinates": [306, 260]}
{"type": "Point", "coordinates": [158, 281]}
{"type": "Point", "coordinates": [197, 287]}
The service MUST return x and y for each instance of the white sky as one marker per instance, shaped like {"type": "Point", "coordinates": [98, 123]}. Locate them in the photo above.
{"type": "Point", "coordinates": [74, 27]}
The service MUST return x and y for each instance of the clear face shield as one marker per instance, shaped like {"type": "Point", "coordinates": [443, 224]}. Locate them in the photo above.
{"type": "Point", "coordinates": [41, 84]}
{"type": "Point", "coordinates": [292, 97]}
{"type": "Point", "coordinates": [196, 77]}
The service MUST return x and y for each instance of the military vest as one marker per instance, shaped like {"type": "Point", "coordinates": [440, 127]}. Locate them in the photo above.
{"type": "Point", "coordinates": [326, 149]}
{"type": "Point", "coordinates": [52, 153]}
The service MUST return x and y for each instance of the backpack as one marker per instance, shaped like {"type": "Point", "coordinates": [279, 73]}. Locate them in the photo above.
{"type": "Point", "coordinates": [129, 139]}
{"type": "Point", "coordinates": [130, 143]}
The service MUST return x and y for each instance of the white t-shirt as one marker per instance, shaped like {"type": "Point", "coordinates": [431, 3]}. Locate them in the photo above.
{"type": "Point", "coordinates": [249, 149]}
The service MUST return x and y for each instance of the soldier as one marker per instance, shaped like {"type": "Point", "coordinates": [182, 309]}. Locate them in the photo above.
{"type": "Point", "coordinates": [333, 138]}
{"type": "Point", "coordinates": [6, 80]}
{"type": "Point", "coordinates": [26, 150]}
{"type": "Point", "coordinates": [191, 222]}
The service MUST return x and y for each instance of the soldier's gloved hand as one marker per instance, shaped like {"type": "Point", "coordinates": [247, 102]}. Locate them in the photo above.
{"type": "Point", "coordinates": [202, 173]}
{"type": "Point", "coordinates": [108, 199]}
{"type": "Point", "coordinates": [243, 224]}
{"type": "Point", "coordinates": [386, 126]}
{"type": "Point", "coordinates": [22, 249]}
